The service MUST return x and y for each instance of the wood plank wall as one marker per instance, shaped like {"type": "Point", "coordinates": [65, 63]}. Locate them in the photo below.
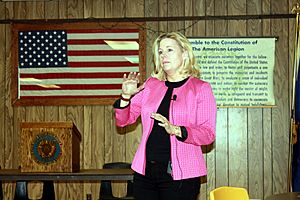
{"type": "Point", "coordinates": [251, 149]}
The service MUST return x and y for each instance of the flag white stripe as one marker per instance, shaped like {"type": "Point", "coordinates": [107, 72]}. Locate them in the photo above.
{"type": "Point", "coordinates": [101, 58]}
{"type": "Point", "coordinates": [77, 70]}
{"type": "Point", "coordinates": [103, 47]}
{"type": "Point", "coordinates": [102, 36]}
{"type": "Point", "coordinates": [91, 47]}
{"type": "Point", "coordinates": [69, 92]}
{"type": "Point", "coordinates": [77, 81]}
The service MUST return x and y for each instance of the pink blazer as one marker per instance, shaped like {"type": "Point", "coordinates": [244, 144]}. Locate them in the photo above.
{"type": "Point", "coordinates": [194, 108]}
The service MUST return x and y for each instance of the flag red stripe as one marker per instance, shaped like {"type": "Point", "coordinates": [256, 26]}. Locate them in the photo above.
{"type": "Point", "coordinates": [74, 87]}
{"type": "Point", "coordinates": [95, 41]}
{"type": "Point", "coordinates": [73, 75]}
{"type": "Point", "coordinates": [102, 64]}
{"type": "Point", "coordinates": [102, 53]}
{"type": "Point", "coordinates": [103, 31]}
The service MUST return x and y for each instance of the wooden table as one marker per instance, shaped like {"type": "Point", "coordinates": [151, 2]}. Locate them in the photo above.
{"type": "Point", "coordinates": [285, 196]}
{"type": "Point", "coordinates": [47, 178]}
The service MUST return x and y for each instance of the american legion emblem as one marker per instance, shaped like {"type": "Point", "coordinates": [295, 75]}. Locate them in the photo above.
{"type": "Point", "coordinates": [46, 148]}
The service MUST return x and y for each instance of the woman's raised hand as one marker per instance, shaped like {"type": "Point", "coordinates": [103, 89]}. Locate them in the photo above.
{"type": "Point", "coordinates": [130, 84]}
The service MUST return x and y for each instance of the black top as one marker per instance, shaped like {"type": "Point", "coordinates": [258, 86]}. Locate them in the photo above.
{"type": "Point", "coordinates": [158, 144]}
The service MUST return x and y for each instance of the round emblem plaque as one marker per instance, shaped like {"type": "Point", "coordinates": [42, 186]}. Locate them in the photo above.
{"type": "Point", "coordinates": [46, 148]}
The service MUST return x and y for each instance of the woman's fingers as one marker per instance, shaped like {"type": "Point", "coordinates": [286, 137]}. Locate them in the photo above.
{"type": "Point", "coordinates": [132, 76]}
{"type": "Point", "coordinates": [159, 117]}
{"type": "Point", "coordinates": [138, 77]}
{"type": "Point", "coordinates": [124, 77]}
{"type": "Point", "coordinates": [163, 122]}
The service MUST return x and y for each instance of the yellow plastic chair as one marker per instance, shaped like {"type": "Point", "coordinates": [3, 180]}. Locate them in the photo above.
{"type": "Point", "coordinates": [229, 193]}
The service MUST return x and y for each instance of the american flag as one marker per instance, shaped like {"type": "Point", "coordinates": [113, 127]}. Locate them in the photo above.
{"type": "Point", "coordinates": [83, 63]}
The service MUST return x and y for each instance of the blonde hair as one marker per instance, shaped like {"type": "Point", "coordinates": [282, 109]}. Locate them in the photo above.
{"type": "Point", "coordinates": [189, 68]}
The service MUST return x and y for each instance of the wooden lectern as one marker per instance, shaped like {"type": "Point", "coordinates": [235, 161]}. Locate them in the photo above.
{"type": "Point", "coordinates": [49, 147]}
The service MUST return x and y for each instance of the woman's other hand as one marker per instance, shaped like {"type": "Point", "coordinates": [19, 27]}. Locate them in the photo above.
{"type": "Point", "coordinates": [170, 128]}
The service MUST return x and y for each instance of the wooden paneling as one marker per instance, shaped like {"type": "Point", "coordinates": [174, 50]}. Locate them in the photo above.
{"type": "Point", "coordinates": [2, 92]}
{"type": "Point", "coordinates": [2, 10]}
{"type": "Point", "coordinates": [280, 114]}
{"type": "Point", "coordinates": [251, 148]}
{"type": "Point", "coordinates": [237, 132]}
{"type": "Point", "coordinates": [173, 10]}
{"type": "Point", "coordinates": [134, 8]}
{"type": "Point", "coordinates": [10, 153]}
{"type": "Point", "coordinates": [255, 116]}
{"type": "Point", "coordinates": [163, 12]}
{"type": "Point", "coordinates": [267, 119]}
{"type": "Point", "coordinates": [211, 156]}
{"type": "Point", "coordinates": [93, 8]}
{"type": "Point", "coordinates": [222, 128]}
{"type": "Point", "coordinates": [97, 143]}
{"type": "Point", "coordinates": [87, 146]}
{"type": "Point", "coordinates": [151, 10]}
{"type": "Point", "coordinates": [63, 9]}
{"type": "Point", "coordinates": [114, 8]}
{"type": "Point", "coordinates": [19, 10]}
{"type": "Point", "coordinates": [291, 46]}
{"type": "Point", "coordinates": [75, 9]}
{"type": "Point", "coordinates": [35, 10]}
{"type": "Point", "coordinates": [51, 10]}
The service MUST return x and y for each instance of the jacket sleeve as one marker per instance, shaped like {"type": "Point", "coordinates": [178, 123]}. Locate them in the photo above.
{"type": "Point", "coordinates": [129, 114]}
{"type": "Point", "coordinates": [203, 131]}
